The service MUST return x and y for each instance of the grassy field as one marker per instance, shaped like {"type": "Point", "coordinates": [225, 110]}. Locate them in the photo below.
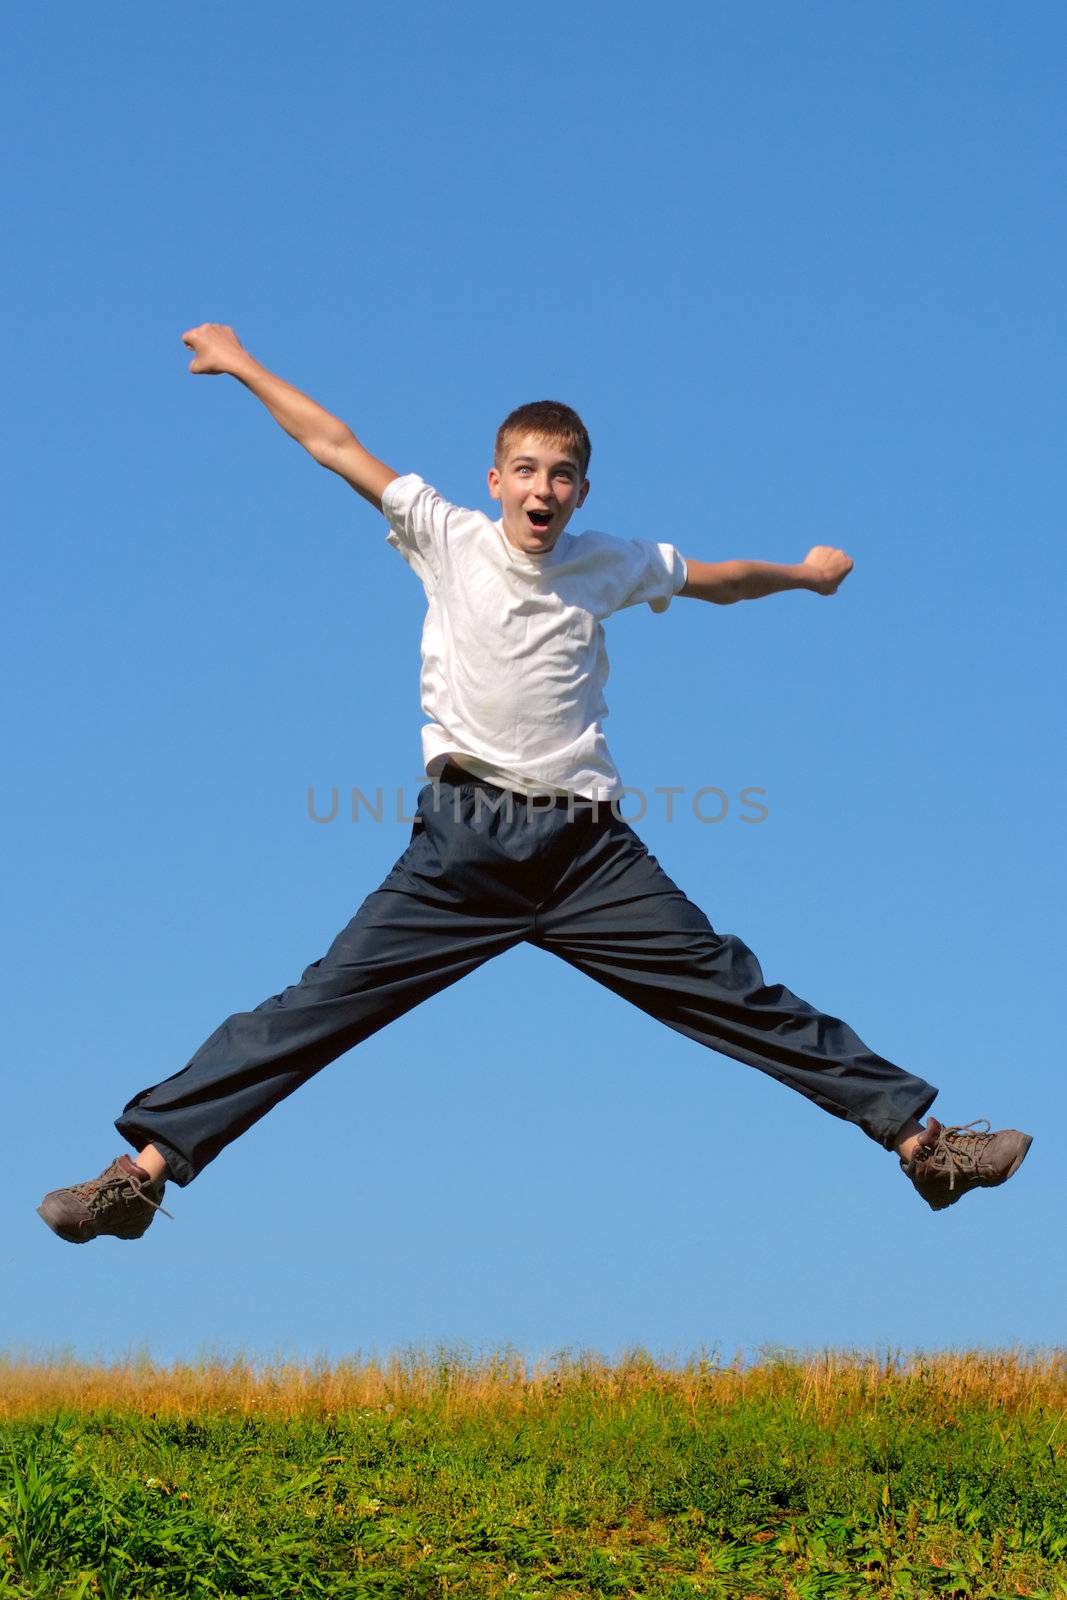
{"type": "Point", "coordinates": [830, 1476]}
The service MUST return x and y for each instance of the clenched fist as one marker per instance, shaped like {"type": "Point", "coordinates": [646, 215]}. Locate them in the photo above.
{"type": "Point", "coordinates": [215, 348]}
{"type": "Point", "coordinates": [827, 567]}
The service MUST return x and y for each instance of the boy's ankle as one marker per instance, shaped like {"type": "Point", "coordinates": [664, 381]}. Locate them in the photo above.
{"type": "Point", "coordinates": [152, 1163]}
{"type": "Point", "coordinates": [908, 1139]}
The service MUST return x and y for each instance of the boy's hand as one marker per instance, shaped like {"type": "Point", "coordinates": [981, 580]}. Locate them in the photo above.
{"type": "Point", "coordinates": [826, 568]}
{"type": "Point", "coordinates": [216, 348]}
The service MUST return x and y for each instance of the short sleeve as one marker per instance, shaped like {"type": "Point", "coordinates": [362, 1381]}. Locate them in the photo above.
{"type": "Point", "coordinates": [418, 526]}
{"type": "Point", "coordinates": [655, 574]}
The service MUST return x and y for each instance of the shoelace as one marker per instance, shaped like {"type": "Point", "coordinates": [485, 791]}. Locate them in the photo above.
{"type": "Point", "coordinates": [958, 1147]}
{"type": "Point", "coordinates": [125, 1181]}
{"type": "Point", "coordinates": [138, 1188]}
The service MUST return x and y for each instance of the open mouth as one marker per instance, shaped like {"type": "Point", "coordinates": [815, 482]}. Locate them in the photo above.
{"type": "Point", "coordinates": [540, 519]}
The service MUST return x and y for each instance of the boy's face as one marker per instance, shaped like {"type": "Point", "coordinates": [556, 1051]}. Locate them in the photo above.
{"type": "Point", "coordinates": [539, 485]}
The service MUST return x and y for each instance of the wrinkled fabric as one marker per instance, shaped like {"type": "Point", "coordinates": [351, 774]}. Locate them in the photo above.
{"type": "Point", "coordinates": [485, 870]}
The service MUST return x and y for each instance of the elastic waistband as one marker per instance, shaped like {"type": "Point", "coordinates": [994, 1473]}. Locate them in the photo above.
{"type": "Point", "coordinates": [458, 777]}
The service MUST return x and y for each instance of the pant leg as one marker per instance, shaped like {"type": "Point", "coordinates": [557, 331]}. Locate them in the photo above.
{"type": "Point", "coordinates": [439, 915]}
{"type": "Point", "coordinates": [618, 917]}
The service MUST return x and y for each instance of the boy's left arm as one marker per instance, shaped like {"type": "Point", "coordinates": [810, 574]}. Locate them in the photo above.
{"type": "Point", "coordinates": [723, 582]}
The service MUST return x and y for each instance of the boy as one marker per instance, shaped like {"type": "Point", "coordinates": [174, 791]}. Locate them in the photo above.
{"type": "Point", "coordinates": [515, 837]}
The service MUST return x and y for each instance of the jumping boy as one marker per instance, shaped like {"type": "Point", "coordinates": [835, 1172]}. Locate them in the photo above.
{"type": "Point", "coordinates": [516, 837]}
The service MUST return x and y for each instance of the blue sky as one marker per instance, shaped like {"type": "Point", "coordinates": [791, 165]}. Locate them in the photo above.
{"type": "Point", "coordinates": [800, 269]}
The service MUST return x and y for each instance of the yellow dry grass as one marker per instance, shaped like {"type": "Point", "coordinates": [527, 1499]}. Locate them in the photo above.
{"type": "Point", "coordinates": [828, 1385]}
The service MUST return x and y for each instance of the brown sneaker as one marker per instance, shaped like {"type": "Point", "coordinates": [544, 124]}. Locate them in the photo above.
{"type": "Point", "coordinates": [122, 1202]}
{"type": "Point", "coordinates": [950, 1161]}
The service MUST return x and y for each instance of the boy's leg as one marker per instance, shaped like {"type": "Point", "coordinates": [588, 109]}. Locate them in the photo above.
{"type": "Point", "coordinates": [443, 910]}
{"type": "Point", "coordinates": [414, 936]}
{"type": "Point", "coordinates": [397, 951]}
{"type": "Point", "coordinates": [616, 916]}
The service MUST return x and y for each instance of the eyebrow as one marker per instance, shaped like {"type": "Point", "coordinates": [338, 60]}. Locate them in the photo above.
{"type": "Point", "coordinates": [530, 461]}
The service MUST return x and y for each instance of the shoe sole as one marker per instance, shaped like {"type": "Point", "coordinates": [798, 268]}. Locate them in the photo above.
{"type": "Point", "coordinates": [72, 1233]}
{"type": "Point", "coordinates": [62, 1230]}
{"type": "Point", "coordinates": [1019, 1159]}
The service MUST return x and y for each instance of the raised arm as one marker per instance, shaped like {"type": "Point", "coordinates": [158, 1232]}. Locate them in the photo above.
{"type": "Point", "coordinates": [217, 349]}
{"type": "Point", "coordinates": [723, 582]}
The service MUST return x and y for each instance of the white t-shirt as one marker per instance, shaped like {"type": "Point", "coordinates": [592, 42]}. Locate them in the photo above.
{"type": "Point", "coordinates": [513, 657]}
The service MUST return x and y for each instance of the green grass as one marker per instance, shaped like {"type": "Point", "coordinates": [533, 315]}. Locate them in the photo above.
{"type": "Point", "coordinates": [803, 1479]}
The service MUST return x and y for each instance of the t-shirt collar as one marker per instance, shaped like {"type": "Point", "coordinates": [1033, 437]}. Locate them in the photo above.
{"type": "Point", "coordinates": [521, 558]}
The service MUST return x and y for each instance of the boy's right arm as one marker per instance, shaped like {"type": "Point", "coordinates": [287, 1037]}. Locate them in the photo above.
{"type": "Point", "coordinates": [217, 349]}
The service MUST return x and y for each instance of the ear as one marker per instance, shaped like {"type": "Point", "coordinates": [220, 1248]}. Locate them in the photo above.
{"type": "Point", "coordinates": [494, 483]}
{"type": "Point", "coordinates": [582, 492]}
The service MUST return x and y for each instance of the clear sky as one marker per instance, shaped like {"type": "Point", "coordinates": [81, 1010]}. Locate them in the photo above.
{"type": "Point", "coordinates": [801, 270]}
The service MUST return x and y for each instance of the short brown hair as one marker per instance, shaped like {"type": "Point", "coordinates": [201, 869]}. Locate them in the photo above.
{"type": "Point", "coordinates": [551, 420]}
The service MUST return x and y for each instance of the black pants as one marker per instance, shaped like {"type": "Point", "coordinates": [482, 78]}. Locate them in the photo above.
{"type": "Point", "coordinates": [484, 870]}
